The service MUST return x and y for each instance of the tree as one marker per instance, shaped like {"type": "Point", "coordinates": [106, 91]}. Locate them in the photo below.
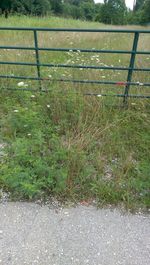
{"type": "Point", "coordinates": [145, 14]}
{"type": "Point", "coordinates": [141, 12]}
{"type": "Point", "coordinates": [70, 10]}
{"type": "Point", "coordinates": [105, 15]}
{"type": "Point", "coordinates": [67, 9]}
{"type": "Point", "coordinates": [83, 9]}
{"type": "Point", "coordinates": [56, 6]}
{"type": "Point", "coordinates": [113, 12]}
{"type": "Point", "coordinates": [79, 2]}
{"type": "Point", "coordinates": [138, 5]}
{"type": "Point", "coordinates": [5, 6]}
{"type": "Point", "coordinates": [40, 7]}
{"type": "Point", "coordinates": [34, 7]}
{"type": "Point", "coordinates": [19, 6]}
{"type": "Point", "coordinates": [88, 10]}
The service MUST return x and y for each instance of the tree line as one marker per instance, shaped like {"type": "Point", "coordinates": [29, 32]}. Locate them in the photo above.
{"type": "Point", "coordinates": [110, 12]}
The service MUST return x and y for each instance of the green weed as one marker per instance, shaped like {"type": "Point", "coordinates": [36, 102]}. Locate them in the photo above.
{"type": "Point", "coordinates": [72, 146]}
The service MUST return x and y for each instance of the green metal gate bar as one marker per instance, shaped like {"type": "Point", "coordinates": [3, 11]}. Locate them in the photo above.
{"type": "Point", "coordinates": [127, 84]}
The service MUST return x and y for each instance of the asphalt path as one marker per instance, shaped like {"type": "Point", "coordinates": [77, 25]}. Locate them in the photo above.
{"type": "Point", "coordinates": [33, 234]}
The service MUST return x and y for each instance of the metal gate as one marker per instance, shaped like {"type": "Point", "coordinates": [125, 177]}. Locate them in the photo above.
{"type": "Point", "coordinates": [127, 84]}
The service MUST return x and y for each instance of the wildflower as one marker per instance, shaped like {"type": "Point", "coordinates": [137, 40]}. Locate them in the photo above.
{"type": "Point", "coordinates": [119, 61]}
{"type": "Point", "coordinates": [99, 96]}
{"type": "Point", "coordinates": [50, 76]}
{"type": "Point", "coordinates": [16, 110]}
{"type": "Point", "coordinates": [48, 106]}
{"type": "Point", "coordinates": [133, 104]}
{"type": "Point", "coordinates": [29, 134]}
{"type": "Point", "coordinates": [120, 83]}
{"type": "Point", "coordinates": [140, 84]}
{"type": "Point", "coordinates": [21, 84]}
{"type": "Point", "coordinates": [103, 76]}
{"type": "Point", "coordinates": [32, 96]}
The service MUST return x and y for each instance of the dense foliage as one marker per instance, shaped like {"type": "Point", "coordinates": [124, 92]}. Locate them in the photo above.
{"type": "Point", "coordinates": [110, 12]}
{"type": "Point", "coordinates": [113, 12]}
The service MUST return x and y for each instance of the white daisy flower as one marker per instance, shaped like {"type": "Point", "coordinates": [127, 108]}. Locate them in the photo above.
{"type": "Point", "coordinates": [21, 84]}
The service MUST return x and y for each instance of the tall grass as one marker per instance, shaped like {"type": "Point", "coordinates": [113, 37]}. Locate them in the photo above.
{"type": "Point", "coordinates": [66, 145]}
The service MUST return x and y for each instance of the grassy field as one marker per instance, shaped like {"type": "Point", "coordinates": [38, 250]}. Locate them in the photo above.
{"type": "Point", "coordinates": [64, 144]}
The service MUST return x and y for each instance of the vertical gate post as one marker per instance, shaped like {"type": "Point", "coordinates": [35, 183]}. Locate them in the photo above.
{"type": "Point", "coordinates": [131, 66]}
{"type": "Point", "coordinates": [37, 58]}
